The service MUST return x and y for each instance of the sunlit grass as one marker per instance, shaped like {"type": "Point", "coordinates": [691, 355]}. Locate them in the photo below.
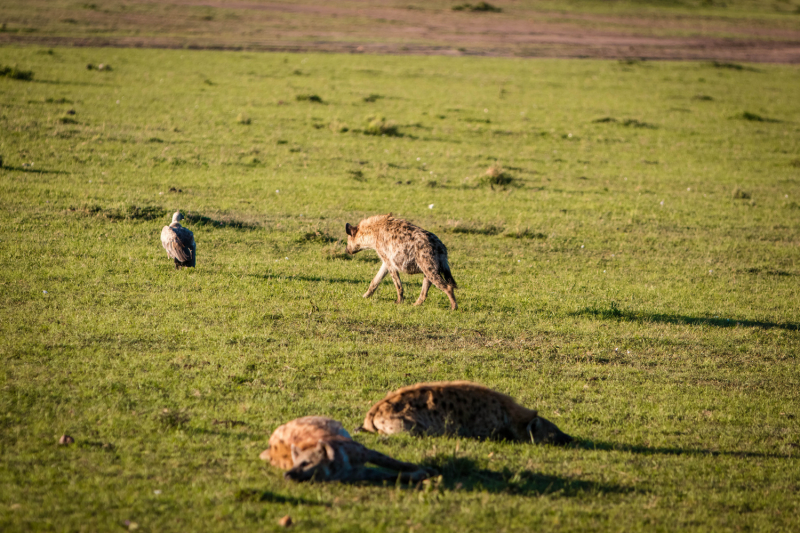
{"type": "Point", "coordinates": [634, 279]}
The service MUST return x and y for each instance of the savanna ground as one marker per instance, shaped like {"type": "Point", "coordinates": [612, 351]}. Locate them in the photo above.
{"type": "Point", "coordinates": [730, 30]}
{"type": "Point", "coordinates": [630, 268]}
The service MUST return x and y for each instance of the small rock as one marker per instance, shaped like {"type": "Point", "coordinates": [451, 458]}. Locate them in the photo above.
{"type": "Point", "coordinates": [286, 521]}
{"type": "Point", "coordinates": [65, 440]}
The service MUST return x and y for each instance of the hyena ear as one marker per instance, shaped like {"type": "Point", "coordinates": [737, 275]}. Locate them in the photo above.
{"type": "Point", "coordinates": [295, 453]}
{"type": "Point", "coordinates": [351, 230]}
{"type": "Point", "coordinates": [329, 451]}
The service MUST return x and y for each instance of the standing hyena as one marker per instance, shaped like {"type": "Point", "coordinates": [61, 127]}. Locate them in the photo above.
{"type": "Point", "coordinates": [459, 408]}
{"type": "Point", "coordinates": [403, 247]}
{"type": "Point", "coordinates": [316, 447]}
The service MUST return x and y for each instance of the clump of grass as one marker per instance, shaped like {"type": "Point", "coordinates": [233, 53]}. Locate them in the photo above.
{"type": "Point", "coordinates": [172, 419]}
{"type": "Point", "coordinates": [67, 120]}
{"type": "Point", "coordinates": [380, 126]}
{"type": "Point", "coordinates": [308, 98]}
{"type": "Point", "coordinates": [101, 66]}
{"type": "Point", "coordinates": [241, 118]}
{"type": "Point", "coordinates": [316, 236]}
{"type": "Point", "coordinates": [16, 74]}
{"type": "Point", "coordinates": [632, 122]}
{"type": "Point", "coordinates": [702, 97]}
{"type": "Point", "coordinates": [372, 98]}
{"type": "Point", "coordinates": [495, 175]}
{"type": "Point", "coordinates": [222, 221]}
{"type": "Point", "coordinates": [753, 117]}
{"type": "Point", "coordinates": [61, 100]}
{"type": "Point", "coordinates": [128, 212]}
{"type": "Point", "coordinates": [338, 127]}
{"type": "Point", "coordinates": [731, 66]}
{"type": "Point", "coordinates": [525, 233]}
{"type": "Point", "coordinates": [474, 229]}
{"type": "Point", "coordinates": [357, 175]}
{"type": "Point", "coordinates": [740, 194]}
{"type": "Point", "coordinates": [336, 250]}
{"type": "Point", "coordinates": [480, 7]}
{"type": "Point", "coordinates": [791, 205]}
{"type": "Point", "coordinates": [794, 163]}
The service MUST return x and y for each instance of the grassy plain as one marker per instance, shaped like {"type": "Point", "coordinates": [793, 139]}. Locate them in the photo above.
{"type": "Point", "coordinates": [741, 30]}
{"type": "Point", "coordinates": [636, 281]}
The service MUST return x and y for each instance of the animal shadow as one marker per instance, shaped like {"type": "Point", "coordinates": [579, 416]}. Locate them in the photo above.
{"type": "Point", "coordinates": [661, 450]}
{"type": "Point", "coordinates": [613, 312]}
{"type": "Point", "coordinates": [462, 473]}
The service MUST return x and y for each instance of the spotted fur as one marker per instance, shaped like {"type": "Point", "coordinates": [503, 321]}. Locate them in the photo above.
{"type": "Point", "coordinates": [459, 408]}
{"type": "Point", "coordinates": [316, 447]}
{"type": "Point", "coordinates": [403, 247]}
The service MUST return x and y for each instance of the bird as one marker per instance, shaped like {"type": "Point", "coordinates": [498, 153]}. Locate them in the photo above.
{"type": "Point", "coordinates": [179, 242]}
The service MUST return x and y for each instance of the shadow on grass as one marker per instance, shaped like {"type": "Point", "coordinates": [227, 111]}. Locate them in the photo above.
{"type": "Point", "coordinates": [33, 170]}
{"type": "Point", "coordinates": [462, 473]}
{"type": "Point", "coordinates": [647, 450]}
{"type": "Point", "coordinates": [257, 495]}
{"type": "Point", "coordinates": [224, 221]}
{"type": "Point", "coordinates": [316, 279]}
{"type": "Point", "coordinates": [613, 312]}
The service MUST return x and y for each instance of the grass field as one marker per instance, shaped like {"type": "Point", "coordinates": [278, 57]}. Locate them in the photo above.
{"type": "Point", "coordinates": [733, 30]}
{"type": "Point", "coordinates": [632, 272]}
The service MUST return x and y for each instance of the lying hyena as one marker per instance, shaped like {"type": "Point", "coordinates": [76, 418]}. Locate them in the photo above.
{"type": "Point", "coordinates": [320, 448]}
{"type": "Point", "coordinates": [459, 408]}
{"type": "Point", "coordinates": [403, 247]}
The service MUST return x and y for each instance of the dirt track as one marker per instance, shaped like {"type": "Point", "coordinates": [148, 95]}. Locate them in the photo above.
{"type": "Point", "coordinates": [382, 27]}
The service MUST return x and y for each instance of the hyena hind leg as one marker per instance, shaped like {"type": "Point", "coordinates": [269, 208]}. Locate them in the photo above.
{"type": "Point", "coordinates": [397, 285]}
{"type": "Point", "coordinates": [446, 288]}
{"type": "Point", "coordinates": [373, 286]}
{"type": "Point", "coordinates": [426, 284]}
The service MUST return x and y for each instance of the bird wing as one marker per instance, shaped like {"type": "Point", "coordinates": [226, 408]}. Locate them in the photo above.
{"type": "Point", "coordinates": [178, 242]}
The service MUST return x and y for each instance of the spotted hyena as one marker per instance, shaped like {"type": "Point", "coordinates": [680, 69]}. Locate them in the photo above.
{"type": "Point", "coordinates": [403, 247]}
{"type": "Point", "coordinates": [459, 408]}
{"type": "Point", "coordinates": [316, 447]}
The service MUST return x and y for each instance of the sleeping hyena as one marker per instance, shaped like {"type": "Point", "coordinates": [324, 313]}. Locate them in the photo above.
{"type": "Point", "coordinates": [459, 408]}
{"type": "Point", "coordinates": [316, 447]}
{"type": "Point", "coordinates": [403, 247]}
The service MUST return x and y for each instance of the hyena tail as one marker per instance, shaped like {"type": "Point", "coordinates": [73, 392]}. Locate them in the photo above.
{"type": "Point", "coordinates": [448, 278]}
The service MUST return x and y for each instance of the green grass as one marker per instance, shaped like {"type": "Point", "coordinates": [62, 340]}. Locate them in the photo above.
{"type": "Point", "coordinates": [617, 283]}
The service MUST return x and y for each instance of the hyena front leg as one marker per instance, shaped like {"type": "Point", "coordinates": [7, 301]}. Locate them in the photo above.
{"type": "Point", "coordinates": [397, 285]}
{"type": "Point", "coordinates": [377, 280]}
{"type": "Point", "coordinates": [426, 284]}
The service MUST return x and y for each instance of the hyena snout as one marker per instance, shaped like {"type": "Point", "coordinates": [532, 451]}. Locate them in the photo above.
{"type": "Point", "coordinates": [545, 432]}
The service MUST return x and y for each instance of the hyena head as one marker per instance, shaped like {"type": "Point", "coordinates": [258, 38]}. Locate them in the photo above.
{"type": "Point", "coordinates": [311, 462]}
{"type": "Point", "coordinates": [352, 243]}
{"type": "Point", "coordinates": [542, 431]}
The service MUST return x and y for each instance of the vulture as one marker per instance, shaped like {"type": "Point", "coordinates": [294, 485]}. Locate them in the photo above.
{"type": "Point", "coordinates": [179, 243]}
